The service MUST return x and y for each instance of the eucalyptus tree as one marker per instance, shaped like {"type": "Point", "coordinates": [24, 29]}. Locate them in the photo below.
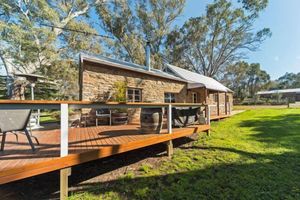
{"type": "Point", "coordinates": [133, 23]}
{"type": "Point", "coordinates": [223, 35]}
{"type": "Point", "coordinates": [289, 80]}
{"type": "Point", "coordinates": [26, 40]}
{"type": "Point", "coordinates": [29, 44]}
{"type": "Point", "coordinates": [246, 79]}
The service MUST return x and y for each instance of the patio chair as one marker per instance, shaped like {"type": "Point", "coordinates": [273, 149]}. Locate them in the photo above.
{"type": "Point", "coordinates": [12, 121]}
{"type": "Point", "coordinates": [182, 117]}
{"type": "Point", "coordinates": [104, 113]}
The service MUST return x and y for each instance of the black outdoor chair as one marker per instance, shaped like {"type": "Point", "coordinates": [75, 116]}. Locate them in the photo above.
{"type": "Point", "coordinates": [182, 117]}
{"type": "Point", "coordinates": [12, 121]}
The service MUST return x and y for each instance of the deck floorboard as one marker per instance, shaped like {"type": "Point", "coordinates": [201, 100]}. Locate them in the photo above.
{"type": "Point", "coordinates": [85, 144]}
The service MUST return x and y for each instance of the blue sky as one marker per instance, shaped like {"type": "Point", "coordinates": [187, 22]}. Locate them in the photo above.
{"type": "Point", "coordinates": [278, 54]}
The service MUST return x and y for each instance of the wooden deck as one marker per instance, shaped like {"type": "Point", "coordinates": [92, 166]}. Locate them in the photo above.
{"type": "Point", "coordinates": [85, 144]}
{"type": "Point", "coordinates": [217, 117]}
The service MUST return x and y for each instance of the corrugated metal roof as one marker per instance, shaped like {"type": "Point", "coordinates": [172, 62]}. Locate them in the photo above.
{"type": "Point", "coordinates": [128, 66]}
{"type": "Point", "coordinates": [198, 80]}
{"type": "Point", "coordinates": [294, 90]}
{"type": "Point", "coordinates": [194, 80]}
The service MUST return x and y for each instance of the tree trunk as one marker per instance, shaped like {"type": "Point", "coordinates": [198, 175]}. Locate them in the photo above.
{"type": "Point", "coordinates": [9, 77]}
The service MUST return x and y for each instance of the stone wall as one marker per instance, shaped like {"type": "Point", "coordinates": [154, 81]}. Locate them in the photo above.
{"type": "Point", "coordinates": [98, 80]}
{"type": "Point", "coordinates": [98, 83]}
{"type": "Point", "coordinates": [201, 95]}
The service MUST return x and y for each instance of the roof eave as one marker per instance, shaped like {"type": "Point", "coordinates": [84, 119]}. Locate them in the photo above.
{"type": "Point", "coordinates": [175, 72]}
{"type": "Point", "coordinates": [85, 57]}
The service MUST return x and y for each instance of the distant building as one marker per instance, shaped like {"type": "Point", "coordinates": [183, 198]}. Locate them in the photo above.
{"type": "Point", "coordinates": [292, 94]}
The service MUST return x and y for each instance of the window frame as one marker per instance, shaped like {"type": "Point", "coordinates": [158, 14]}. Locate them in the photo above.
{"type": "Point", "coordinates": [134, 94]}
{"type": "Point", "coordinates": [171, 97]}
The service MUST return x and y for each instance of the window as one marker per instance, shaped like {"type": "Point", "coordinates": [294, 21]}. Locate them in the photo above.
{"type": "Point", "coordinates": [169, 97]}
{"type": "Point", "coordinates": [134, 95]}
{"type": "Point", "coordinates": [194, 97]}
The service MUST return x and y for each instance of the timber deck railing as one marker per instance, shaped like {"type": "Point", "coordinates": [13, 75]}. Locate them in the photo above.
{"type": "Point", "coordinates": [64, 106]}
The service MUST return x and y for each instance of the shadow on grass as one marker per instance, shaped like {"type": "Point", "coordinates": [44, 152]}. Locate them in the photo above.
{"type": "Point", "coordinates": [264, 176]}
{"type": "Point", "coordinates": [254, 176]}
{"type": "Point", "coordinates": [273, 179]}
{"type": "Point", "coordinates": [46, 186]}
{"type": "Point", "coordinates": [281, 131]}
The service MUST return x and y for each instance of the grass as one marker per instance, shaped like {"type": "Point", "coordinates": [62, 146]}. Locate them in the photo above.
{"type": "Point", "coordinates": [47, 117]}
{"type": "Point", "coordinates": [252, 107]}
{"type": "Point", "coordinates": [253, 155]}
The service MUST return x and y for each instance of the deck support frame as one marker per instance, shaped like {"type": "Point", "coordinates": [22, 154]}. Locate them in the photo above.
{"type": "Point", "coordinates": [64, 143]}
{"type": "Point", "coordinates": [169, 124]}
{"type": "Point", "coordinates": [65, 105]}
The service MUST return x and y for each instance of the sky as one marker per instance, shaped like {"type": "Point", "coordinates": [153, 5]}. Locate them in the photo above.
{"type": "Point", "coordinates": [278, 54]}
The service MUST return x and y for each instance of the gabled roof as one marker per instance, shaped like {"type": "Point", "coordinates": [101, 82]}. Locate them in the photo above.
{"type": "Point", "coordinates": [197, 80]}
{"type": "Point", "coordinates": [128, 66]}
{"type": "Point", "coordinates": [193, 80]}
{"type": "Point", "coordinates": [294, 90]}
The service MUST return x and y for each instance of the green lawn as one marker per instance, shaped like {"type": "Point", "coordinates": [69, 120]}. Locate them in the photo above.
{"type": "Point", "coordinates": [253, 155]}
{"type": "Point", "coordinates": [47, 117]}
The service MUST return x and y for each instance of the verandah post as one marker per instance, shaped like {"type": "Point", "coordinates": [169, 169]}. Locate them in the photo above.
{"type": "Point", "coordinates": [64, 173]}
{"type": "Point", "coordinates": [218, 104]}
{"type": "Point", "coordinates": [169, 124]}
{"type": "Point", "coordinates": [207, 109]}
{"type": "Point", "coordinates": [226, 112]}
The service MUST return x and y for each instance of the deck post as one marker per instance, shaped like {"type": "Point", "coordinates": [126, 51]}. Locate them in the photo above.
{"type": "Point", "coordinates": [169, 118]}
{"type": "Point", "coordinates": [169, 123]}
{"type": "Point", "coordinates": [208, 119]}
{"type": "Point", "coordinates": [218, 104]}
{"type": "Point", "coordinates": [226, 103]}
{"type": "Point", "coordinates": [64, 173]}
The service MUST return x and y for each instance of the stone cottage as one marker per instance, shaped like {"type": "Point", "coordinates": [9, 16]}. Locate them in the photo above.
{"type": "Point", "coordinates": [99, 75]}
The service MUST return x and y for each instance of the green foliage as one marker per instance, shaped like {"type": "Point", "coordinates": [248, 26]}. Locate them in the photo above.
{"type": "Point", "coordinates": [63, 74]}
{"type": "Point", "coordinates": [129, 175]}
{"type": "Point", "coordinates": [3, 89]}
{"type": "Point", "coordinates": [132, 23]}
{"type": "Point", "coordinates": [253, 155]}
{"type": "Point", "coordinates": [28, 46]}
{"type": "Point", "coordinates": [88, 196]}
{"type": "Point", "coordinates": [246, 79]}
{"type": "Point", "coordinates": [120, 91]}
{"type": "Point", "coordinates": [207, 44]}
{"type": "Point", "coordinates": [289, 80]}
{"type": "Point", "coordinates": [145, 168]}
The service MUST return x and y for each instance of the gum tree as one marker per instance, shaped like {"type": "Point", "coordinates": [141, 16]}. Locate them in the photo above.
{"type": "Point", "coordinates": [223, 35]}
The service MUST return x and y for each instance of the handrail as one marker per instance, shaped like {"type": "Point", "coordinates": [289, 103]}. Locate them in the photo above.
{"type": "Point", "coordinates": [49, 104]}
{"type": "Point", "coordinates": [96, 103]}
{"type": "Point", "coordinates": [63, 106]}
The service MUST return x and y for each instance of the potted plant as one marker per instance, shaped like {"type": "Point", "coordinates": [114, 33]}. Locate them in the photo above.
{"type": "Point", "coordinates": [120, 115]}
